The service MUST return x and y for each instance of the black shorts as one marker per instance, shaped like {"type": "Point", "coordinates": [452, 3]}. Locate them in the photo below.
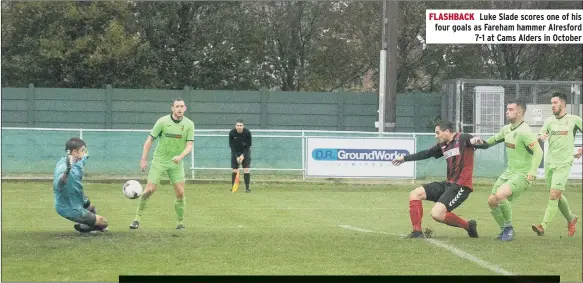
{"type": "Point", "coordinates": [246, 162]}
{"type": "Point", "coordinates": [451, 195]}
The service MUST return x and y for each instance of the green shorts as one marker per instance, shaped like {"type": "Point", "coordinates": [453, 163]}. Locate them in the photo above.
{"type": "Point", "coordinates": [78, 215]}
{"type": "Point", "coordinates": [175, 172]}
{"type": "Point", "coordinates": [556, 175]}
{"type": "Point", "coordinates": [517, 182]}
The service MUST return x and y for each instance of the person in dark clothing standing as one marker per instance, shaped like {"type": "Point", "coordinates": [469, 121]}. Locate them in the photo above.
{"type": "Point", "coordinates": [240, 144]}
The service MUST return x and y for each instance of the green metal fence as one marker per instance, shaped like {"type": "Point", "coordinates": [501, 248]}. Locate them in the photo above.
{"type": "Point", "coordinates": [113, 108]}
{"type": "Point", "coordinates": [114, 153]}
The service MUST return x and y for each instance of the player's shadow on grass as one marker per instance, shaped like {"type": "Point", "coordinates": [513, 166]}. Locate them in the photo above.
{"type": "Point", "coordinates": [75, 235]}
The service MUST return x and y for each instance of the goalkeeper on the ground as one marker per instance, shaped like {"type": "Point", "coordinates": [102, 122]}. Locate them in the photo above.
{"type": "Point", "coordinates": [70, 200]}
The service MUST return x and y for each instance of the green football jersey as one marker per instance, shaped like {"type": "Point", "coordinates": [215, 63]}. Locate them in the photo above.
{"type": "Point", "coordinates": [172, 136]}
{"type": "Point", "coordinates": [522, 148]}
{"type": "Point", "coordinates": [561, 138]}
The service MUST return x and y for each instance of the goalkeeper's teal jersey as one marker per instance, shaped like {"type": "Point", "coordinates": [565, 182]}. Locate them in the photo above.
{"type": "Point", "coordinates": [70, 194]}
{"type": "Point", "coordinates": [172, 136]}
{"type": "Point", "coordinates": [561, 138]}
{"type": "Point", "coordinates": [522, 148]}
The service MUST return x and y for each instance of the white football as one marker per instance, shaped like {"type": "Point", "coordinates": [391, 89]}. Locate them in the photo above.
{"type": "Point", "coordinates": [132, 189]}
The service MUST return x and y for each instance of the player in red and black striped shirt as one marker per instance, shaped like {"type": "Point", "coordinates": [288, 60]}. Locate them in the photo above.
{"type": "Point", "coordinates": [449, 194]}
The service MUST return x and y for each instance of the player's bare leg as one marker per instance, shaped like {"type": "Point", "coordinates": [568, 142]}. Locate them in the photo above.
{"type": "Point", "coordinates": [148, 191]}
{"type": "Point", "coordinates": [91, 208]}
{"type": "Point", "coordinates": [247, 178]}
{"type": "Point", "coordinates": [99, 225]}
{"type": "Point", "coordinates": [416, 211]}
{"type": "Point", "coordinates": [440, 214]}
{"type": "Point", "coordinates": [179, 204]}
{"type": "Point", "coordinates": [502, 211]}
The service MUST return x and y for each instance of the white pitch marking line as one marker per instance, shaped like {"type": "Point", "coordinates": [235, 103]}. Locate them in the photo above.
{"type": "Point", "coordinates": [441, 244]}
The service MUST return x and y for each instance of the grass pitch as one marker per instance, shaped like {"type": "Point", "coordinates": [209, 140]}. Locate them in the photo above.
{"type": "Point", "coordinates": [278, 229]}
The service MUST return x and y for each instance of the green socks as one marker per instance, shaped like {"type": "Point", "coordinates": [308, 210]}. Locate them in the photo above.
{"type": "Point", "coordinates": [565, 209]}
{"type": "Point", "coordinates": [179, 207]}
{"type": "Point", "coordinates": [506, 209]}
{"type": "Point", "coordinates": [552, 208]}
{"type": "Point", "coordinates": [141, 207]}
{"type": "Point", "coordinates": [497, 214]}
{"type": "Point", "coordinates": [502, 214]}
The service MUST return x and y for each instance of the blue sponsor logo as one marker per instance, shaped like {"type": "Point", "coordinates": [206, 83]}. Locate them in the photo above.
{"type": "Point", "coordinates": [336, 154]}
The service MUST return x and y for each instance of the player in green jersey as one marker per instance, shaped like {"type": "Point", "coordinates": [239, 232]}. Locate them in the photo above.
{"type": "Point", "coordinates": [175, 134]}
{"type": "Point", "coordinates": [524, 156]}
{"type": "Point", "coordinates": [560, 131]}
